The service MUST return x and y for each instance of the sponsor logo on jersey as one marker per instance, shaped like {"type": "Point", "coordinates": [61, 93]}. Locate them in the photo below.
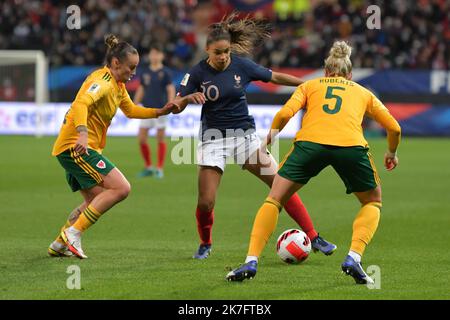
{"type": "Point", "coordinates": [94, 88]}
{"type": "Point", "coordinates": [185, 79]}
{"type": "Point", "coordinates": [101, 164]}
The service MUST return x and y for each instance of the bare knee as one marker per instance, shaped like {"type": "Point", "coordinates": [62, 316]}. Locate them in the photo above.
{"type": "Point", "coordinates": [160, 139]}
{"type": "Point", "coordinates": [142, 140]}
{"type": "Point", "coordinates": [123, 191]}
{"type": "Point", "coordinates": [142, 135]}
{"type": "Point", "coordinates": [89, 198]}
{"type": "Point", "coordinates": [373, 200]}
{"type": "Point", "coordinates": [373, 195]}
{"type": "Point", "coordinates": [90, 194]}
{"type": "Point", "coordinates": [87, 202]}
{"type": "Point", "coordinates": [206, 205]}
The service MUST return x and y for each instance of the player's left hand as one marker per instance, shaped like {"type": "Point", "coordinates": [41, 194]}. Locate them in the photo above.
{"type": "Point", "coordinates": [168, 108]}
{"type": "Point", "coordinates": [264, 144]}
{"type": "Point", "coordinates": [269, 138]}
{"type": "Point", "coordinates": [390, 161]}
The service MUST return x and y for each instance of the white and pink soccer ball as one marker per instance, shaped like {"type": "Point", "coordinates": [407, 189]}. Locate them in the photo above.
{"type": "Point", "coordinates": [293, 246]}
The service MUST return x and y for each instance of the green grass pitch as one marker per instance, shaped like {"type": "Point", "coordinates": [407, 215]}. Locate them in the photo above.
{"type": "Point", "coordinates": [142, 248]}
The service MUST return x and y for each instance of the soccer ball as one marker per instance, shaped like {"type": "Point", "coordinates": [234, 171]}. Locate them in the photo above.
{"type": "Point", "coordinates": [293, 246]}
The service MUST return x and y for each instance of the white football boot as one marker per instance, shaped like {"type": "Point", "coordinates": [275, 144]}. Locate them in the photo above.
{"type": "Point", "coordinates": [72, 237]}
{"type": "Point", "coordinates": [57, 249]}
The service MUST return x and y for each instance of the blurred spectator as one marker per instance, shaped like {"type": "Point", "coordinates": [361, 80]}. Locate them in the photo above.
{"type": "Point", "coordinates": [8, 91]}
{"type": "Point", "coordinates": [34, 24]}
{"type": "Point", "coordinates": [414, 34]}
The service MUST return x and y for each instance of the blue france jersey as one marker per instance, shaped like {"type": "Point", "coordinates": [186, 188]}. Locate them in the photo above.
{"type": "Point", "coordinates": [155, 86]}
{"type": "Point", "coordinates": [226, 103]}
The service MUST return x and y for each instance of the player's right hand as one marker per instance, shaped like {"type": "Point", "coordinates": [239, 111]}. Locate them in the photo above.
{"type": "Point", "coordinates": [81, 146]}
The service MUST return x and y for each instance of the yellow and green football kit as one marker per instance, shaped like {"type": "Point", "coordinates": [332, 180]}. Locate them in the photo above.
{"type": "Point", "coordinates": [331, 134]}
{"type": "Point", "coordinates": [94, 107]}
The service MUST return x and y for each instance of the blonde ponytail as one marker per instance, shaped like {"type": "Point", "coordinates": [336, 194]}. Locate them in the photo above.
{"type": "Point", "coordinates": [338, 62]}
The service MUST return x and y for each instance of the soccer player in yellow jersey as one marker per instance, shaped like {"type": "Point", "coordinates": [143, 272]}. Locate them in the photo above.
{"type": "Point", "coordinates": [331, 134]}
{"type": "Point", "coordinates": [82, 138]}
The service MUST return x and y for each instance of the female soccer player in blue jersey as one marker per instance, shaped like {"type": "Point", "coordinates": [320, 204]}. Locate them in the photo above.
{"type": "Point", "coordinates": [155, 90]}
{"type": "Point", "coordinates": [227, 128]}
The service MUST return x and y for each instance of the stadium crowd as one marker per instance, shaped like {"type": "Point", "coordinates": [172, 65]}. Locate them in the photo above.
{"type": "Point", "coordinates": [413, 34]}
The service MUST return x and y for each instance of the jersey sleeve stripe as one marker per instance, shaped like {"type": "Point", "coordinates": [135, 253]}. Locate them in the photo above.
{"type": "Point", "coordinates": [106, 76]}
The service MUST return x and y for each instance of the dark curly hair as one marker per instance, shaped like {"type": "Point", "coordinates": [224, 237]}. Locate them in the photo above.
{"type": "Point", "coordinates": [243, 34]}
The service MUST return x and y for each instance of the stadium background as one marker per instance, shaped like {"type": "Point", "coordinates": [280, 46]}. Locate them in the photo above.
{"type": "Point", "coordinates": [405, 62]}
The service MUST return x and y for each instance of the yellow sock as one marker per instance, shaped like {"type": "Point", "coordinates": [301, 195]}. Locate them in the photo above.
{"type": "Point", "coordinates": [364, 226]}
{"type": "Point", "coordinates": [87, 218]}
{"type": "Point", "coordinates": [68, 224]}
{"type": "Point", "coordinates": [59, 238]}
{"type": "Point", "coordinates": [265, 222]}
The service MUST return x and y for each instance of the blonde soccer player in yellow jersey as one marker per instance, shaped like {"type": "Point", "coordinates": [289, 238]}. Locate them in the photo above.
{"type": "Point", "coordinates": [331, 134]}
{"type": "Point", "coordinates": [82, 138]}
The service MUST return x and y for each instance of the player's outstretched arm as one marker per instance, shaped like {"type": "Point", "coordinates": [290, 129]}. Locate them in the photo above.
{"type": "Point", "coordinates": [285, 79]}
{"type": "Point", "coordinates": [182, 102]}
{"type": "Point", "coordinates": [168, 108]}
{"type": "Point", "coordinates": [134, 111]}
